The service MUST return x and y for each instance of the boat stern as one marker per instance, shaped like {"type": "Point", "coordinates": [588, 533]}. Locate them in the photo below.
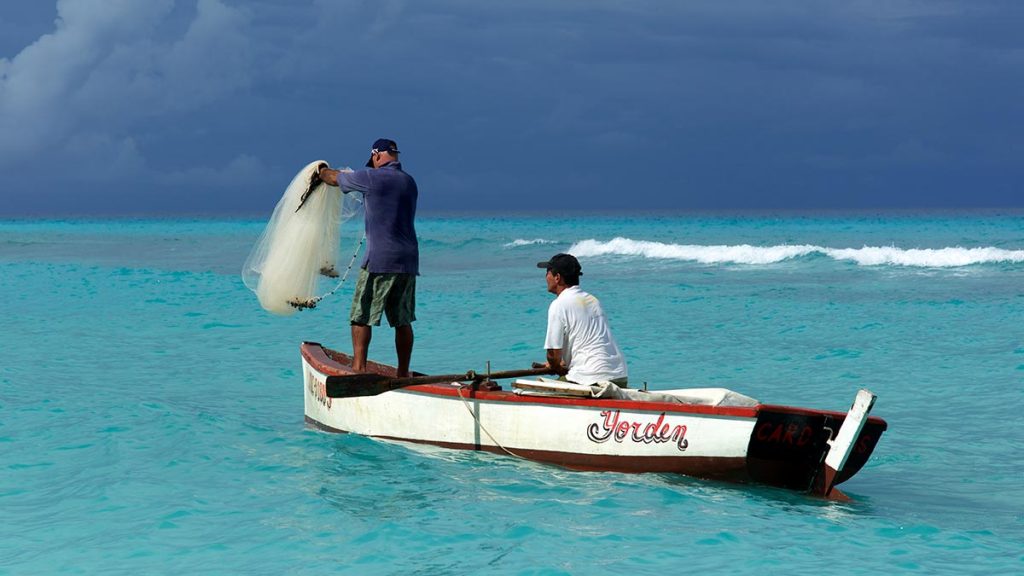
{"type": "Point", "coordinates": [789, 446]}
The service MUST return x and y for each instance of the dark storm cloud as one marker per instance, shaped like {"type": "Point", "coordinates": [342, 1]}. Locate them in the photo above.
{"type": "Point", "coordinates": [214, 104]}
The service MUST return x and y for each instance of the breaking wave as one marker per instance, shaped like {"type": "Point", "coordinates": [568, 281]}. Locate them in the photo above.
{"type": "Point", "coordinates": [520, 242]}
{"type": "Point", "coordinates": [746, 254]}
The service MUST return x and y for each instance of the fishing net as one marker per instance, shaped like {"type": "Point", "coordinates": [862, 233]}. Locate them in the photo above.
{"type": "Point", "coordinates": [296, 261]}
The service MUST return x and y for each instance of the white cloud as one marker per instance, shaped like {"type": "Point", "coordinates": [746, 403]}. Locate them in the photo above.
{"type": "Point", "coordinates": [213, 58]}
{"type": "Point", "coordinates": [37, 83]}
{"type": "Point", "coordinates": [100, 76]}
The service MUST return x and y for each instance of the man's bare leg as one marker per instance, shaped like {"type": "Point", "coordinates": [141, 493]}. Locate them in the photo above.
{"type": "Point", "coordinates": [403, 345]}
{"type": "Point", "coordinates": [361, 334]}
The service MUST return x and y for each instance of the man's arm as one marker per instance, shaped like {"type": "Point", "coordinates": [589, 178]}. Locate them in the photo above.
{"type": "Point", "coordinates": [328, 176]}
{"type": "Point", "coordinates": [554, 340]}
{"type": "Point", "coordinates": [555, 361]}
{"type": "Point", "coordinates": [348, 180]}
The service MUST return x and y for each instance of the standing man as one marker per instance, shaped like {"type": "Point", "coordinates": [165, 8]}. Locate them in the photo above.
{"type": "Point", "coordinates": [387, 280]}
{"type": "Point", "coordinates": [579, 342]}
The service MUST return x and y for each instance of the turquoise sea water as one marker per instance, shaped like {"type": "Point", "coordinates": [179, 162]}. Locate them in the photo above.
{"type": "Point", "coordinates": [151, 413]}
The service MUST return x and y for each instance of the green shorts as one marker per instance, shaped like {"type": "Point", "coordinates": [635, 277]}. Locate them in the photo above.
{"type": "Point", "coordinates": [389, 293]}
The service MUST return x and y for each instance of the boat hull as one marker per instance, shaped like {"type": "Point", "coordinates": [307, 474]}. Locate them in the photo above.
{"type": "Point", "coordinates": [773, 445]}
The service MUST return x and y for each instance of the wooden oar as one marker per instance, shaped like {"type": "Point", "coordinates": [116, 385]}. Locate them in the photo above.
{"type": "Point", "coordinates": [368, 384]}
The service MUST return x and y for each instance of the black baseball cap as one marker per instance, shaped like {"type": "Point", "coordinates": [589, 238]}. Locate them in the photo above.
{"type": "Point", "coordinates": [564, 264]}
{"type": "Point", "coordinates": [382, 145]}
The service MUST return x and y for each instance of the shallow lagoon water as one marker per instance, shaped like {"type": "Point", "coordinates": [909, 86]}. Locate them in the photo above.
{"type": "Point", "coordinates": [151, 413]}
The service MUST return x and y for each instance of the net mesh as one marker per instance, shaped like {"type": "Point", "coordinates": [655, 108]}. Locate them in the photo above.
{"type": "Point", "coordinates": [295, 262]}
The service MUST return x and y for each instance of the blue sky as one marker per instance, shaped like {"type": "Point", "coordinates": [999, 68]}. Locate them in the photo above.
{"type": "Point", "coordinates": [211, 106]}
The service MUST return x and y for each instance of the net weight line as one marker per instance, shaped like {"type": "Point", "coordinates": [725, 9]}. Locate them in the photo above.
{"type": "Point", "coordinates": [329, 272]}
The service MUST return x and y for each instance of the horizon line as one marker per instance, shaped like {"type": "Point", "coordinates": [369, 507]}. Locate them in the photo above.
{"type": "Point", "coordinates": [546, 213]}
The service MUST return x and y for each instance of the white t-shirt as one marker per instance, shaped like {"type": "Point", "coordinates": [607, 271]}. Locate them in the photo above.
{"type": "Point", "coordinates": [577, 325]}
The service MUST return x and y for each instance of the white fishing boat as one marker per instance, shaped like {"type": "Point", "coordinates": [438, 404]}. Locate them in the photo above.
{"type": "Point", "coordinates": [709, 433]}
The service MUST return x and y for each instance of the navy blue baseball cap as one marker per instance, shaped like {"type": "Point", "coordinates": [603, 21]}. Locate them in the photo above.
{"type": "Point", "coordinates": [382, 145]}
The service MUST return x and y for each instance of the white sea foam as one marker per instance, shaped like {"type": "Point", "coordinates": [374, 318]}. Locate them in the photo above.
{"type": "Point", "coordinates": [927, 257]}
{"type": "Point", "coordinates": [747, 254]}
{"type": "Point", "coordinates": [520, 242]}
{"type": "Point", "coordinates": [740, 254]}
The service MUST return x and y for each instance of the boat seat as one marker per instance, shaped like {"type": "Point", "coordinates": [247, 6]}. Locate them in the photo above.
{"type": "Point", "coordinates": [608, 390]}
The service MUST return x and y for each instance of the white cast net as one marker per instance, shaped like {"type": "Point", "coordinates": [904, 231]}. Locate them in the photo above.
{"type": "Point", "coordinates": [297, 260]}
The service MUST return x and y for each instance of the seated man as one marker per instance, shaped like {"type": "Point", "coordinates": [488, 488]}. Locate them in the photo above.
{"type": "Point", "coordinates": [579, 343]}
